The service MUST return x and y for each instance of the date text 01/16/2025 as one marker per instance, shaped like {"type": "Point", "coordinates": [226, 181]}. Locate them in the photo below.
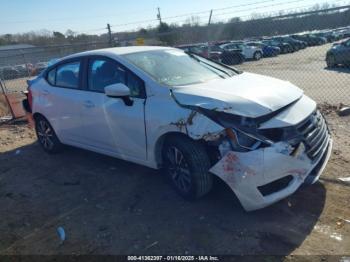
{"type": "Point", "coordinates": [173, 258]}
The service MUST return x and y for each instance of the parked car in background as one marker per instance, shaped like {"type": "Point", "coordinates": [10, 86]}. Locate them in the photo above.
{"type": "Point", "coordinates": [214, 52]}
{"type": "Point", "coordinates": [39, 67]}
{"type": "Point", "coordinates": [284, 47]}
{"type": "Point", "coordinates": [8, 73]}
{"type": "Point", "coordinates": [22, 70]}
{"type": "Point", "coordinates": [249, 52]}
{"type": "Point", "coordinates": [267, 49]}
{"type": "Point", "coordinates": [228, 57]}
{"type": "Point", "coordinates": [298, 43]}
{"type": "Point", "coordinates": [339, 54]}
{"type": "Point", "coordinates": [195, 48]}
{"type": "Point", "coordinates": [328, 35]}
{"type": "Point", "coordinates": [193, 118]}
{"type": "Point", "coordinates": [295, 44]}
{"type": "Point", "coordinates": [341, 33]}
{"type": "Point", "coordinates": [311, 39]}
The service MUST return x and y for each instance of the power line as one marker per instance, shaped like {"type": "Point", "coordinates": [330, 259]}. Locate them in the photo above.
{"type": "Point", "coordinates": [189, 14]}
{"type": "Point", "coordinates": [222, 14]}
{"type": "Point", "coordinates": [277, 11]}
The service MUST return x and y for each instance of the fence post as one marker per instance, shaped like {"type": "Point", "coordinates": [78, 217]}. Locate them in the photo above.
{"type": "Point", "coordinates": [3, 89]}
{"type": "Point", "coordinates": [25, 63]}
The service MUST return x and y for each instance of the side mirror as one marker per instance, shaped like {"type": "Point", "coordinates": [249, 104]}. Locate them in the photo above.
{"type": "Point", "coordinates": [117, 90]}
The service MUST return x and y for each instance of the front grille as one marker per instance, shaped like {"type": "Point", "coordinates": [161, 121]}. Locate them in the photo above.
{"type": "Point", "coordinates": [315, 134]}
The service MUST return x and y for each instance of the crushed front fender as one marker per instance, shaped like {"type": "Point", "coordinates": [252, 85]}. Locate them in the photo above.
{"type": "Point", "coordinates": [247, 173]}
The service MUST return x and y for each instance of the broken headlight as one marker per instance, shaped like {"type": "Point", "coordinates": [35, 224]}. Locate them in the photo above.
{"type": "Point", "coordinates": [241, 141]}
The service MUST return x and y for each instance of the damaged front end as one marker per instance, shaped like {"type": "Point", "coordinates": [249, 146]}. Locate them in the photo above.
{"type": "Point", "coordinates": [267, 158]}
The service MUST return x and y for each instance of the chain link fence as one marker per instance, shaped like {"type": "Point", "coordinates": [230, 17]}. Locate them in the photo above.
{"type": "Point", "coordinates": [298, 57]}
{"type": "Point", "coordinates": [17, 65]}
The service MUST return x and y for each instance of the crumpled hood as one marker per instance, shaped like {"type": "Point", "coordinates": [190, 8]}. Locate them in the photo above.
{"type": "Point", "coordinates": [246, 94]}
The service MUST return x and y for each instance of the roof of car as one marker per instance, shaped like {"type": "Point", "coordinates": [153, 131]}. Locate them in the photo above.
{"type": "Point", "coordinates": [120, 50]}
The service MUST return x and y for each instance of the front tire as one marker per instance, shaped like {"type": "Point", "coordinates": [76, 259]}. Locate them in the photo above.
{"type": "Point", "coordinates": [330, 61]}
{"type": "Point", "coordinates": [187, 164]}
{"type": "Point", "coordinates": [47, 136]}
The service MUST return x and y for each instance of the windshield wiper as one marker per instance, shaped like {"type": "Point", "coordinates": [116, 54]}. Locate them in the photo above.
{"type": "Point", "coordinates": [195, 57]}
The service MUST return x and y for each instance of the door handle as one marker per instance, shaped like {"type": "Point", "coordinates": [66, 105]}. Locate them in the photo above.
{"type": "Point", "coordinates": [45, 92]}
{"type": "Point", "coordinates": [89, 104]}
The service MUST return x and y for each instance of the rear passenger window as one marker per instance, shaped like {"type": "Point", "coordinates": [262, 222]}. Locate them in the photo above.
{"type": "Point", "coordinates": [67, 75]}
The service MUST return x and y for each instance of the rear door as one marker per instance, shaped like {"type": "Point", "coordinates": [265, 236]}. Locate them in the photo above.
{"type": "Point", "coordinates": [62, 97]}
{"type": "Point", "coordinates": [110, 124]}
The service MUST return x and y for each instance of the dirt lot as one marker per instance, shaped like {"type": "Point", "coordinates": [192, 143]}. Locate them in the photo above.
{"type": "Point", "coordinates": [108, 206]}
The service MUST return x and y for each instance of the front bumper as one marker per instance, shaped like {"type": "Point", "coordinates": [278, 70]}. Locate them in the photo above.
{"type": "Point", "coordinates": [249, 173]}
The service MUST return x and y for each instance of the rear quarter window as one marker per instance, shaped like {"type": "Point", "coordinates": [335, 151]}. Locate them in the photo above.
{"type": "Point", "coordinates": [51, 77]}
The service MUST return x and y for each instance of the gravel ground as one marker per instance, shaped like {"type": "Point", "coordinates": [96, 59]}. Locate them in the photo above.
{"type": "Point", "coordinates": [108, 206]}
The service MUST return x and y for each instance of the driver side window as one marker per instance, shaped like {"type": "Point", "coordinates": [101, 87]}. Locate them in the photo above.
{"type": "Point", "coordinates": [103, 73]}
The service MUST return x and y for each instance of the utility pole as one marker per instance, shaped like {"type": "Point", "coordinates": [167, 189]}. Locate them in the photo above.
{"type": "Point", "coordinates": [208, 31]}
{"type": "Point", "coordinates": [211, 13]}
{"type": "Point", "coordinates": [159, 17]}
{"type": "Point", "coordinates": [110, 41]}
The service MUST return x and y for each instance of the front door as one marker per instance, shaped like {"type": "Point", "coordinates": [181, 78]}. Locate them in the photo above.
{"type": "Point", "coordinates": [111, 124]}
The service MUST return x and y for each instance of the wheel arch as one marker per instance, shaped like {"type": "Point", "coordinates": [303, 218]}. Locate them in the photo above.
{"type": "Point", "coordinates": [37, 114]}
{"type": "Point", "coordinates": [159, 145]}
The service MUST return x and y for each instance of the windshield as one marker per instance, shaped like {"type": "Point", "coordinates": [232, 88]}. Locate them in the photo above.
{"type": "Point", "coordinates": [176, 68]}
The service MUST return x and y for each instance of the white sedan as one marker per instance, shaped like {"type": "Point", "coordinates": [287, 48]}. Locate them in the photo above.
{"type": "Point", "coordinates": [163, 108]}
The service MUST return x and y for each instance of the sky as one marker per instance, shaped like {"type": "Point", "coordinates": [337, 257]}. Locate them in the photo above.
{"type": "Point", "coordinates": [92, 16]}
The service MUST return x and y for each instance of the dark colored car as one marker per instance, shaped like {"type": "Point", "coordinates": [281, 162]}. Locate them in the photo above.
{"type": "Point", "coordinates": [312, 40]}
{"type": "Point", "coordinates": [301, 44]}
{"type": "Point", "coordinates": [328, 35]}
{"type": "Point", "coordinates": [8, 73]}
{"type": "Point", "coordinates": [339, 54]}
{"type": "Point", "coordinates": [267, 49]}
{"type": "Point", "coordinates": [216, 53]}
{"type": "Point", "coordinates": [231, 57]}
{"type": "Point", "coordinates": [295, 44]}
{"type": "Point", "coordinates": [284, 47]}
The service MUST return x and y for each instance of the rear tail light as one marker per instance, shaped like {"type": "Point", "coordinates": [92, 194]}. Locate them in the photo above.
{"type": "Point", "coordinates": [29, 94]}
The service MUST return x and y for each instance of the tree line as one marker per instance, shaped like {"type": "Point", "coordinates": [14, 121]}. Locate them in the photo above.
{"type": "Point", "coordinates": [192, 31]}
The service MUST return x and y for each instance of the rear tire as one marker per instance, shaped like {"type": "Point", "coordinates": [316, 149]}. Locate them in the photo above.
{"type": "Point", "coordinates": [187, 164]}
{"type": "Point", "coordinates": [47, 136]}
